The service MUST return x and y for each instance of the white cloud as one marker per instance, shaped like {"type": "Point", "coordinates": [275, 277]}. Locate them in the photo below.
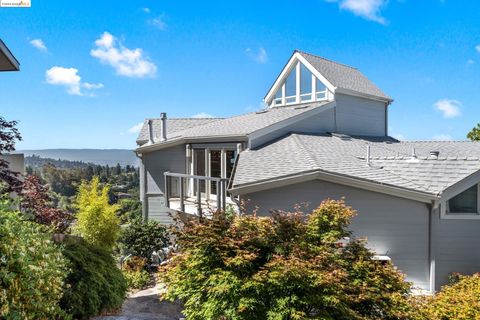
{"type": "Point", "coordinates": [146, 10]}
{"type": "Point", "coordinates": [126, 62]}
{"type": "Point", "coordinates": [136, 128]}
{"type": "Point", "coordinates": [477, 47]}
{"type": "Point", "coordinates": [159, 22]}
{"type": "Point", "coordinates": [259, 56]}
{"type": "Point", "coordinates": [442, 137]}
{"type": "Point", "coordinates": [202, 115]}
{"type": "Point", "coordinates": [367, 9]}
{"type": "Point", "coordinates": [470, 62]}
{"type": "Point", "coordinates": [39, 44]}
{"type": "Point", "coordinates": [69, 78]}
{"type": "Point", "coordinates": [449, 108]}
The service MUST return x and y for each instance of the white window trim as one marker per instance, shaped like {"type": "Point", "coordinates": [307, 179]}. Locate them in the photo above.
{"type": "Point", "coordinates": [298, 96]}
{"type": "Point", "coordinates": [444, 214]}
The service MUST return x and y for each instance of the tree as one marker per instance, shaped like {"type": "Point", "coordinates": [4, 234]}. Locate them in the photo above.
{"type": "Point", "coordinates": [474, 134]}
{"type": "Point", "coordinates": [36, 202]}
{"type": "Point", "coordinates": [97, 220]}
{"type": "Point", "coordinates": [287, 266]}
{"type": "Point", "coordinates": [9, 135]}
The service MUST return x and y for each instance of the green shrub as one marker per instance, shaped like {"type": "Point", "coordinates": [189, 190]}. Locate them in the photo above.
{"type": "Point", "coordinates": [97, 221]}
{"type": "Point", "coordinates": [288, 266]}
{"type": "Point", "coordinates": [459, 301]}
{"type": "Point", "coordinates": [142, 238]}
{"type": "Point", "coordinates": [137, 279]}
{"type": "Point", "coordinates": [95, 283]}
{"type": "Point", "coordinates": [32, 270]}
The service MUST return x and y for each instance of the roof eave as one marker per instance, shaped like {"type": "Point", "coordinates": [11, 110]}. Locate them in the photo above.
{"type": "Point", "coordinates": [420, 196]}
{"type": "Point", "coordinates": [363, 95]}
{"type": "Point", "coordinates": [178, 141]}
{"type": "Point", "coordinates": [10, 57]}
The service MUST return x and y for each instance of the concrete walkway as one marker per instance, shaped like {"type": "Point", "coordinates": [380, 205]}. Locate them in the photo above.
{"type": "Point", "coordinates": [146, 305]}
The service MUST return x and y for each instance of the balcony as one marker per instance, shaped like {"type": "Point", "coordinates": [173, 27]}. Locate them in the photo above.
{"type": "Point", "coordinates": [196, 195]}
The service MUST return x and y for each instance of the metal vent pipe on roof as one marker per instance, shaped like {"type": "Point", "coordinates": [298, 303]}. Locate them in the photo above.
{"type": "Point", "coordinates": [163, 117]}
{"type": "Point", "coordinates": [368, 154]}
{"type": "Point", "coordinates": [150, 131]}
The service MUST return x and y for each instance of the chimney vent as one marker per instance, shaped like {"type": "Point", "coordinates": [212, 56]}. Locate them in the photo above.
{"type": "Point", "coordinates": [150, 131]}
{"type": "Point", "coordinates": [163, 117]}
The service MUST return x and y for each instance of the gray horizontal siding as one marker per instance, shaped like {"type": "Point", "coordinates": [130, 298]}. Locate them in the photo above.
{"type": "Point", "coordinates": [457, 247]}
{"type": "Point", "coordinates": [393, 226]}
{"type": "Point", "coordinates": [359, 116]}
{"type": "Point", "coordinates": [155, 164]}
{"type": "Point", "coordinates": [157, 210]}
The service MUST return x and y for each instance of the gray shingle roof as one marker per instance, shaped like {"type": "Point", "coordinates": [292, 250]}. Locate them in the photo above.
{"type": "Point", "coordinates": [343, 76]}
{"type": "Point", "coordinates": [173, 125]}
{"type": "Point", "coordinates": [241, 125]}
{"type": "Point", "coordinates": [391, 161]}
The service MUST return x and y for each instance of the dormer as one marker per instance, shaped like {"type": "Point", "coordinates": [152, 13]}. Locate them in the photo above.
{"type": "Point", "coordinates": [309, 78]}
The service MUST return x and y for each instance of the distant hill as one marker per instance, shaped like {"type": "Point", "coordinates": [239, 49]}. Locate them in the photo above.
{"type": "Point", "coordinates": [97, 156]}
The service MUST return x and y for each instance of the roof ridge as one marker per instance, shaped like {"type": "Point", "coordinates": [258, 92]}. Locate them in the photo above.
{"type": "Point", "coordinates": [186, 118]}
{"type": "Point", "coordinates": [329, 60]}
{"type": "Point", "coordinates": [301, 144]}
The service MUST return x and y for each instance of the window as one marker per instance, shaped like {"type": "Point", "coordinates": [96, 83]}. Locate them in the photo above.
{"type": "Point", "coordinates": [465, 202]}
{"type": "Point", "coordinates": [302, 84]}
{"type": "Point", "coordinates": [291, 87]}
{"type": "Point", "coordinates": [305, 84]}
{"type": "Point", "coordinates": [278, 97]}
{"type": "Point", "coordinates": [321, 90]}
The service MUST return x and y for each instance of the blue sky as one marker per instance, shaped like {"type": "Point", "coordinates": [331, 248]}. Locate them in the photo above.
{"type": "Point", "coordinates": [92, 70]}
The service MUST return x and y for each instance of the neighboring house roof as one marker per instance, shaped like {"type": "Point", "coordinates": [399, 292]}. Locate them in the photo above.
{"type": "Point", "coordinates": [239, 126]}
{"type": "Point", "coordinates": [7, 61]}
{"type": "Point", "coordinates": [343, 76]}
{"type": "Point", "coordinates": [173, 125]}
{"type": "Point", "coordinates": [391, 163]}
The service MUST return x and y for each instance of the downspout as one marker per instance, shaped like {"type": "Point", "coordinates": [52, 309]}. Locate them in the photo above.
{"type": "Point", "coordinates": [431, 245]}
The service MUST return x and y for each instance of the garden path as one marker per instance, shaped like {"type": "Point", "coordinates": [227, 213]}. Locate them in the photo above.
{"type": "Point", "coordinates": [146, 305]}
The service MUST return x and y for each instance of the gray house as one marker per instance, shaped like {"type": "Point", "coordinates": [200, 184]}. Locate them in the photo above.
{"type": "Point", "coordinates": [324, 135]}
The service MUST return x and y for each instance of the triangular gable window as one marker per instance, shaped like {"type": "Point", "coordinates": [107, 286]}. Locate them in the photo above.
{"type": "Point", "coordinates": [299, 86]}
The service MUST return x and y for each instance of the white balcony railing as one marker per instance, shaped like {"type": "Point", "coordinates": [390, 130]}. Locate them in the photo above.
{"type": "Point", "coordinates": [188, 191]}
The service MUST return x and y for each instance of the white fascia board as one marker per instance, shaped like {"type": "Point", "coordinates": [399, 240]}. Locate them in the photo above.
{"type": "Point", "coordinates": [289, 121]}
{"type": "Point", "coordinates": [334, 178]}
{"type": "Point", "coordinates": [286, 70]}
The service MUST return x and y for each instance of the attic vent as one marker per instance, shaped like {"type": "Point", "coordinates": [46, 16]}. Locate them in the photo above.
{"type": "Point", "coordinates": [302, 107]}
{"type": "Point", "coordinates": [434, 154]}
{"type": "Point", "coordinates": [342, 136]}
{"type": "Point", "coordinates": [261, 111]}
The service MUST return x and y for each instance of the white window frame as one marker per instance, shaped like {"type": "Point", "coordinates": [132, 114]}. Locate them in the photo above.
{"type": "Point", "coordinates": [445, 214]}
{"type": "Point", "coordinates": [297, 98]}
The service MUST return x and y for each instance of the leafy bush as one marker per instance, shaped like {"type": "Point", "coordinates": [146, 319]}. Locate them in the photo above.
{"type": "Point", "coordinates": [97, 221]}
{"type": "Point", "coordinates": [37, 202]}
{"type": "Point", "coordinates": [288, 266]}
{"type": "Point", "coordinates": [134, 264]}
{"type": "Point", "coordinates": [137, 279]}
{"type": "Point", "coordinates": [95, 283]}
{"type": "Point", "coordinates": [142, 238]}
{"type": "Point", "coordinates": [32, 270]}
{"type": "Point", "coordinates": [459, 301]}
